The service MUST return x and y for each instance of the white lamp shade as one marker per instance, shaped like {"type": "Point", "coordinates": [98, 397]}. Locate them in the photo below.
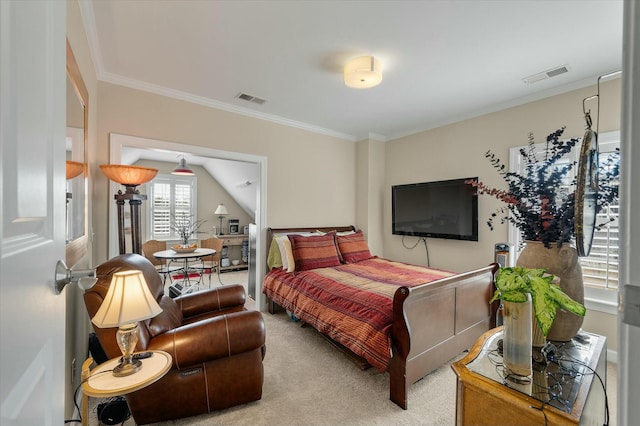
{"type": "Point", "coordinates": [221, 210]}
{"type": "Point", "coordinates": [128, 300]}
{"type": "Point", "coordinates": [363, 72]}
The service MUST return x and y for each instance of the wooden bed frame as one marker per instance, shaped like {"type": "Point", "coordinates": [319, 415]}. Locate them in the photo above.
{"type": "Point", "coordinates": [458, 306]}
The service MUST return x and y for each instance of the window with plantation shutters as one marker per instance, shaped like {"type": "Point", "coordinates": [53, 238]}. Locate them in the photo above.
{"type": "Point", "coordinates": [170, 197]}
{"type": "Point", "coordinates": [600, 268]}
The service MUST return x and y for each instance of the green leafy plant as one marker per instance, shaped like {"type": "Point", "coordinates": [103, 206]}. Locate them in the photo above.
{"type": "Point", "coordinates": [540, 202]}
{"type": "Point", "coordinates": [185, 226]}
{"type": "Point", "coordinates": [513, 285]}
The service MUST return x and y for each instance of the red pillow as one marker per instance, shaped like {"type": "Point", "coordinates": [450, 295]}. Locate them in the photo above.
{"type": "Point", "coordinates": [316, 251]}
{"type": "Point", "coordinates": [353, 247]}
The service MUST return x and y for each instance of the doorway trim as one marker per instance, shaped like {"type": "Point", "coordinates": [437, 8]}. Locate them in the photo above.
{"type": "Point", "coordinates": [118, 141]}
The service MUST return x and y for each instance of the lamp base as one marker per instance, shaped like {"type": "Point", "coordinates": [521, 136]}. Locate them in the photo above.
{"type": "Point", "coordinates": [127, 337]}
{"type": "Point", "coordinates": [127, 368]}
{"type": "Point", "coordinates": [221, 230]}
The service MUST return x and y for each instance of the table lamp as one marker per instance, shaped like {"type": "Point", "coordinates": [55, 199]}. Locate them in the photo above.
{"type": "Point", "coordinates": [128, 301]}
{"type": "Point", "coordinates": [221, 211]}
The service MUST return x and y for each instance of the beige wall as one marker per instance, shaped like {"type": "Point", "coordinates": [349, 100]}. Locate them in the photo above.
{"type": "Point", "coordinates": [369, 195]}
{"type": "Point", "coordinates": [310, 177]}
{"type": "Point", "coordinates": [457, 151]}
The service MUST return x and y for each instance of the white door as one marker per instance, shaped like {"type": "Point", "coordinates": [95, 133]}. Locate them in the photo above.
{"type": "Point", "coordinates": [32, 205]}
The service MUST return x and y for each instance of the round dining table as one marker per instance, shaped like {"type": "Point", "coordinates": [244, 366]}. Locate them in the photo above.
{"type": "Point", "coordinates": [185, 257]}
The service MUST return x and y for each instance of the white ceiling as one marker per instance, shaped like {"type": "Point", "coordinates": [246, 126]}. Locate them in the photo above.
{"type": "Point", "coordinates": [443, 61]}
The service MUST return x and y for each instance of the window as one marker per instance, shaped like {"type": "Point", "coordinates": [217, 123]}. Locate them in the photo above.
{"type": "Point", "coordinates": [600, 268]}
{"type": "Point", "coordinates": [169, 197]}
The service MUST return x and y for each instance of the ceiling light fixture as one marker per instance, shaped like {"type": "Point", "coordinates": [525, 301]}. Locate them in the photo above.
{"type": "Point", "coordinates": [182, 169]}
{"type": "Point", "coordinates": [363, 72]}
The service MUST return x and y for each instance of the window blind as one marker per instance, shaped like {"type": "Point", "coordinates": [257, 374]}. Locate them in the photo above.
{"type": "Point", "coordinates": [171, 197]}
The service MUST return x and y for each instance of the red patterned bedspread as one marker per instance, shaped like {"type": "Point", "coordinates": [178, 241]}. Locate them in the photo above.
{"type": "Point", "coordinates": [350, 303]}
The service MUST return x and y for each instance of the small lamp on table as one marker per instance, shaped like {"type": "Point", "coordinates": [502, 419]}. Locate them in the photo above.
{"type": "Point", "coordinates": [221, 212]}
{"type": "Point", "coordinates": [128, 301]}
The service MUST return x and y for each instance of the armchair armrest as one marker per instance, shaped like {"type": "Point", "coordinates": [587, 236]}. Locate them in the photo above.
{"type": "Point", "coordinates": [213, 338]}
{"type": "Point", "coordinates": [193, 304]}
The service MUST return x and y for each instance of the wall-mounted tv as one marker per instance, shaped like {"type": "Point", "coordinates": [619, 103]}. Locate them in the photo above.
{"type": "Point", "coordinates": [443, 209]}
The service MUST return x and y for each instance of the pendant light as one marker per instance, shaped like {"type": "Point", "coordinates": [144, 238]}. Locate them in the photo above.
{"type": "Point", "coordinates": [182, 169]}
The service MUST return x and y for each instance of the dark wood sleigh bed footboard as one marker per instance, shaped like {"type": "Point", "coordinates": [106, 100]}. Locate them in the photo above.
{"type": "Point", "coordinates": [435, 322]}
{"type": "Point", "coordinates": [432, 322]}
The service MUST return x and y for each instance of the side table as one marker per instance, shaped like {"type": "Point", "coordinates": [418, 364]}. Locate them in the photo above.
{"type": "Point", "coordinates": [101, 383]}
{"type": "Point", "coordinates": [564, 392]}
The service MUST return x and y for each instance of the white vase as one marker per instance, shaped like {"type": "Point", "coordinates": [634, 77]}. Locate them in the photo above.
{"type": "Point", "coordinates": [516, 339]}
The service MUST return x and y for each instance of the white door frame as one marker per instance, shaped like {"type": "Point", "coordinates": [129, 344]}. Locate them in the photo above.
{"type": "Point", "coordinates": [118, 141]}
{"type": "Point", "coordinates": [629, 334]}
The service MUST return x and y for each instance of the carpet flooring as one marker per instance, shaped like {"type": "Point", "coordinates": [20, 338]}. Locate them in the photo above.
{"type": "Point", "coordinates": [309, 382]}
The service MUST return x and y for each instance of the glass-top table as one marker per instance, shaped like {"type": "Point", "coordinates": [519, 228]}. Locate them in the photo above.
{"type": "Point", "coordinates": [557, 383]}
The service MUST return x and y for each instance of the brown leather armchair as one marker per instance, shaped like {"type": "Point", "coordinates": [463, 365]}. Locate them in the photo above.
{"type": "Point", "coordinates": [216, 344]}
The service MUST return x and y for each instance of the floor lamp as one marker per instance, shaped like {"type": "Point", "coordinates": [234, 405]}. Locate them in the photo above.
{"type": "Point", "coordinates": [130, 177]}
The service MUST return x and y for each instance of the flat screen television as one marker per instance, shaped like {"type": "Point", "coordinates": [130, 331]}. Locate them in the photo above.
{"type": "Point", "coordinates": [443, 209]}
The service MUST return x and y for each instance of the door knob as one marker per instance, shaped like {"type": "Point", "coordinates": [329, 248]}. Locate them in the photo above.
{"type": "Point", "coordinates": [85, 278]}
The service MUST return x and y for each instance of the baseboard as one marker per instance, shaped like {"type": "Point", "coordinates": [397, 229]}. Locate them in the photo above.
{"type": "Point", "coordinates": [612, 356]}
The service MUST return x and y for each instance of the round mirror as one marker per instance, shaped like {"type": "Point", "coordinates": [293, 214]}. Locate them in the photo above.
{"type": "Point", "coordinates": [586, 193]}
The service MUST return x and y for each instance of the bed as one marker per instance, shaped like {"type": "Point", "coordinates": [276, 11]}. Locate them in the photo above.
{"type": "Point", "coordinates": [408, 320]}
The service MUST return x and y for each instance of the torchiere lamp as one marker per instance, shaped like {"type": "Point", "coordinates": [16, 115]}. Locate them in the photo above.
{"type": "Point", "coordinates": [73, 169]}
{"type": "Point", "coordinates": [221, 211]}
{"type": "Point", "coordinates": [130, 177]}
{"type": "Point", "coordinates": [128, 301]}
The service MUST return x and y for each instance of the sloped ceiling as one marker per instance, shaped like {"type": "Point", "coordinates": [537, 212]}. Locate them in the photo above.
{"type": "Point", "coordinates": [238, 178]}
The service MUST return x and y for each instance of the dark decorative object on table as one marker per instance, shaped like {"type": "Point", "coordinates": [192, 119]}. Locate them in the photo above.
{"type": "Point", "coordinates": [541, 202]}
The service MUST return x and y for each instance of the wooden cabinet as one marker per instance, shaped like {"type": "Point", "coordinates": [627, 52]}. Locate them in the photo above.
{"type": "Point", "coordinates": [233, 244]}
{"type": "Point", "coordinates": [564, 392]}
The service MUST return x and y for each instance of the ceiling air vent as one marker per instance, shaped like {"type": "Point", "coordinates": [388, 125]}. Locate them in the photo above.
{"type": "Point", "coordinates": [546, 74]}
{"type": "Point", "coordinates": [250, 98]}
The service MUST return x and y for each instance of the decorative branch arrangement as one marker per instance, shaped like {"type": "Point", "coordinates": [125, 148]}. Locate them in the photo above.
{"type": "Point", "coordinates": [541, 203]}
{"type": "Point", "coordinates": [185, 226]}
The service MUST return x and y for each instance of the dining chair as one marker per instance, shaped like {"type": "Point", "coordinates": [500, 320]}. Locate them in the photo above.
{"type": "Point", "coordinates": [210, 262]}
{"type": "Point", "coordinates": [161, 265]}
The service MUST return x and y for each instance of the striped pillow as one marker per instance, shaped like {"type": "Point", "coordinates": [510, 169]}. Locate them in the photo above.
{"type": "Point", "coordinates": [353, 248]}
{"type": "Point", "coordinates": [318, 251]}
